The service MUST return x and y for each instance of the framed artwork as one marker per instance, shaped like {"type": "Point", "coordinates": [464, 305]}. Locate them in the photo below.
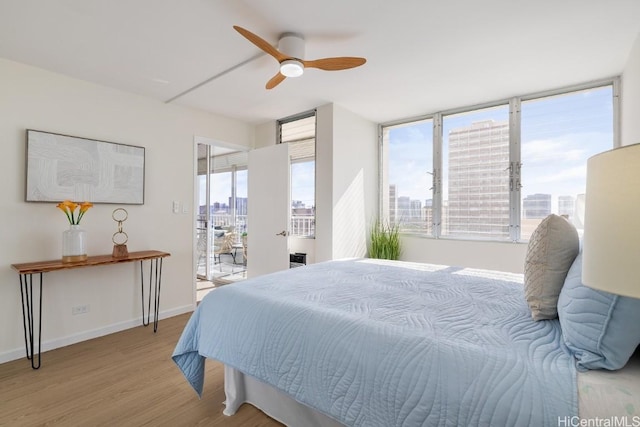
{"type": "Point", "coordinates": [62, 167]}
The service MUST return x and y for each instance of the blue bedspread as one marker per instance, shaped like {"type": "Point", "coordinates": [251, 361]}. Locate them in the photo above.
{"type": "Point", "coordinates": [381, 343]}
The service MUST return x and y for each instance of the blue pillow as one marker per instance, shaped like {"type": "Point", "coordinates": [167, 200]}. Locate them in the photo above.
{"type": "Point", "coordinates": [601, 330]}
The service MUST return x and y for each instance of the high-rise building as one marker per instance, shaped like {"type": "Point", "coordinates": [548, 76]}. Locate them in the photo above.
{"type": "Point", "coordinates": [428, 214]}
{"type": "Point", "coordinates": [393, 204]}
{"type": "Point", "coordinates": [416, 209]}
{"type": "Point", "coordinates": [536, 206]}
{"type": "Point", "coordinates": [478, 180]}
{"type": "Point", "coordinates": [566, 206]}
{"type": "Point", "coordinates": [241, 206]}
{"type": "Point", "coordinates": [403, 212]}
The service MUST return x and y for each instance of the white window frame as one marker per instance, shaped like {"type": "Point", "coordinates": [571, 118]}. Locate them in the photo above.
{"type": "Point", "coordinates": [312, 113]}
{"type": "Point", "coordinates": [515, 161]}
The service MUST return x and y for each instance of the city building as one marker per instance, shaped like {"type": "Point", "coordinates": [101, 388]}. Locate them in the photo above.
{"type": "Point", "coordinates": [393, 203]}
{"type": "Point", "coordinates": [566, 206]}
{"type": "Point", "coordinates": [403, 212]}
{"type": "Point", "coordinates": [478, 181]}
{"type": "Point", "coordinates": [416, 209]}
{"type": "Point", "coordinates": [536, 206]}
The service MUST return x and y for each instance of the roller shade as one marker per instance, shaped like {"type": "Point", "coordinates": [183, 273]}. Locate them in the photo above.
{"type": "Point", "coordinates": [300, 135]}
{"type": "Point", "coordinates": [224, 162]}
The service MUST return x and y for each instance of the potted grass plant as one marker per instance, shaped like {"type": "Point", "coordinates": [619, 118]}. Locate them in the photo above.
{"type": "Point", "coordinates": [384, 240]}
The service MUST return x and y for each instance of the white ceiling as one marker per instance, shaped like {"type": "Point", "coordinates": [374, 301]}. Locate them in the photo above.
{"type": "Point", "coordinates": [423, 55]}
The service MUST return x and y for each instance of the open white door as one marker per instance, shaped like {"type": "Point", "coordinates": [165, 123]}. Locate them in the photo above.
{"type": "Point", "coordinates": [269, 210]}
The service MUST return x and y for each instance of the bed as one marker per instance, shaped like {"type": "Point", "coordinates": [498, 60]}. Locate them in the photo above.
{"type": "Point", "coordinates": [366, 342]}
{"type": "Point", "coordinates": [383, 343]}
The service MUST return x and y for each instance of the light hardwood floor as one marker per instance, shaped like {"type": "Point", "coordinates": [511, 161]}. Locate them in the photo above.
{"type": "Point", "coordinates": [123, 379]}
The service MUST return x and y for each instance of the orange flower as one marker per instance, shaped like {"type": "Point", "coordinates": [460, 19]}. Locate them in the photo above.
{"type": "Point", "coordinates": [84, 206]}
{"type": "Point", "coordinates": [69, 207]}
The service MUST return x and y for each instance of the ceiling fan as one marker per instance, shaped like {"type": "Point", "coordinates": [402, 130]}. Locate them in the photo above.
{"type": "Point", "coordinates": [290, 53]}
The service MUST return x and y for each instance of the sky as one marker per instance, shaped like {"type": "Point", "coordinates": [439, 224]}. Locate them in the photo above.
{"type": "Point", "coordinates": [558, 135]}
{"type": "Point", "coordinates": [221, 187]}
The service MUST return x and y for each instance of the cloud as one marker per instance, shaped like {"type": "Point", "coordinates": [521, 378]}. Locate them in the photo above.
{"type": "Point", "coordinates": [563, 176]}
{"type": "Point", "coordinates": [557, 149]}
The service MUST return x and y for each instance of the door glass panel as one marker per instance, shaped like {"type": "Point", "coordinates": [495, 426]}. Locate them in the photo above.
{"type": "Point", "coordinates": [303, 198]}
{"type": "Point", "coordinates": [241, 202]}
{"type": "Point", "coordinates": [222, 217]}
{"type": "Point", "coordinates": [221, 199]}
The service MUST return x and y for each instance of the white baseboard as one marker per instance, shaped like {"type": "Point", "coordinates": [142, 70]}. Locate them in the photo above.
{"type": "Point", "coordinates": [94, 333]}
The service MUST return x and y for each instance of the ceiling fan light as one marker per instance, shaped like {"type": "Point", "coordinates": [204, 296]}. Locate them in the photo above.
{"type": "Point", "coordinates": [291, 68]}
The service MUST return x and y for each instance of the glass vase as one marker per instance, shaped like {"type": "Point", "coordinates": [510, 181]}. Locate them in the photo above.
{"type": "Point", "coordinates": [74, 244]}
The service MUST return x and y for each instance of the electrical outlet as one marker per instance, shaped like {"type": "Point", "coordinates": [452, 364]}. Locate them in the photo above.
{"type": "Point", "coordinates": [80, 309]}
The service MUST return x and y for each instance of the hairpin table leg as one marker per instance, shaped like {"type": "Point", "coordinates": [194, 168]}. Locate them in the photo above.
{"type": "Point", "coordinates": [28, 319]}
{"type": "Point", "coordinates": [155, 280]}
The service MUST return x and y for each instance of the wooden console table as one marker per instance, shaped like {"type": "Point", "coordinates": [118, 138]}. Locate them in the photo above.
{"type": "Point", "coordinates": [27, 270]}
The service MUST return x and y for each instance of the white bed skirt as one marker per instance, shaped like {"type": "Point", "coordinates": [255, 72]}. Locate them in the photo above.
{"type": "Point", "coordinates": [240, 388]}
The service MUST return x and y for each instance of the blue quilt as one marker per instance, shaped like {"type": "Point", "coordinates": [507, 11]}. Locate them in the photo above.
{"type": "Point", "coordinates": [383, 343]}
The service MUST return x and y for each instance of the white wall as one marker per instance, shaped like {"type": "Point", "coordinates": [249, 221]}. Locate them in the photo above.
{"type": "Point", "coordinates": [36, 99]}
{"type": "Point", "coordinates": [324, 183]}
{"type": "Point", "coordinates": [465, 253]}
{"type": "Point", "coordinates": [630, 110]}
{"type": "Point", "coordinates": [355, 182]}
{"type": "Point", "coordinates": [347, 187]}
{"type": "Point", "coordinates": [266, 134]}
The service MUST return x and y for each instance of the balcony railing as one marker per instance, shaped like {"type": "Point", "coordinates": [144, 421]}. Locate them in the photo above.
{"type": "Point", "coordinates": [301, 225]}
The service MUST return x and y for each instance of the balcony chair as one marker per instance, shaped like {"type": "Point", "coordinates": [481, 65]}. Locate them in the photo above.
{"type": "Point", "coordinates": [223, 245]}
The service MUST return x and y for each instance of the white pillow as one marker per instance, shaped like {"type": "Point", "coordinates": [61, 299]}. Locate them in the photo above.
{"type": "Point", "coordinates": [552, 248]}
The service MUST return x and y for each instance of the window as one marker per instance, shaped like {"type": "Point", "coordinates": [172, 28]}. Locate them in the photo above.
{"type": "Point", "coordinates": [559, 134]}
{"type": "Point", "coordinates": [300, 133]}
{"type": "Point", "coordinates": [407, 194]}
{"type": "Point", "coordinates": [495, 172]}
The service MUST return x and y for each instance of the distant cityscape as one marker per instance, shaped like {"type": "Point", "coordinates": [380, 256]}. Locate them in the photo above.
{"type": "Point", "coordinates": [478, 199]}
{"type": "Point", "coordinates": [302, 216]}
{"type": "Point", "coordinates": [225, 208]}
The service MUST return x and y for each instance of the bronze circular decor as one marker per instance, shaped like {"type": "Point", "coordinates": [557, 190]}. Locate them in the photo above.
{"type": "Point", "coordinates": [120, 215]}
{"type": "Point", "coordinates": [120, 237]}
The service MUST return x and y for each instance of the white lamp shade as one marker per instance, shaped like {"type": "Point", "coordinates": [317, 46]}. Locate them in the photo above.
{"type": "Point", "coordinates": [611, 251]}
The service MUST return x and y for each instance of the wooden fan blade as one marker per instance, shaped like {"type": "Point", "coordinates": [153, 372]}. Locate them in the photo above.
{"type": "Point", "coordinates": [275, 80]}
{"type": "Point", "coordinates": [261, 43]}
{"type": "Point", "coordinates": [335, 64]}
